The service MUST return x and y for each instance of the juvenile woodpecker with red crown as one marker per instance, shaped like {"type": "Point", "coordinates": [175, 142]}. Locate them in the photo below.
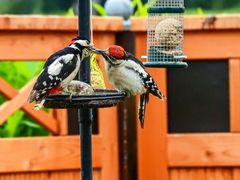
{"type": "Point", "coordinates": [127, 73]}
{"type": "Point", "coordinates": [59, 70]}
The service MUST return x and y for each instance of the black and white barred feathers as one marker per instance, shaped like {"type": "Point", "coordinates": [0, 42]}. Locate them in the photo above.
{"type": "Point", "coordinates": [127, 73]}
{"type": "Point", "coordinates": [59, 70]}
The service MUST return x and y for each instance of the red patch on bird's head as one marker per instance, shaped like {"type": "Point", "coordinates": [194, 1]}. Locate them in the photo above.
{"type": "Point", "coordinates": [74, 40]}
{"type": "Point", "coordinates": [116, 51]}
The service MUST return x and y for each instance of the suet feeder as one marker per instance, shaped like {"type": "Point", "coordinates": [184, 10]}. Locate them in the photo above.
{"type": "Point", "coordinates": [165, 34]}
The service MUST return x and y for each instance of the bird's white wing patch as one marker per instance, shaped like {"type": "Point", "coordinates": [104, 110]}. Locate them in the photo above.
{"type": "Point", "coordinates": [55, 68]}
{"type": "Point", "coordinates": [67, 58]}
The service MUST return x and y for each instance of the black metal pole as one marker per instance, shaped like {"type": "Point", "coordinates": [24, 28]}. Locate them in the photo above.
{"type": "Point", "coordinates": [85, 115]}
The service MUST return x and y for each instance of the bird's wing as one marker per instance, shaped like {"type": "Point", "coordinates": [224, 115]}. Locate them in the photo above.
{"type": "Point", "coordinates": [62, 52]}
{"type": "Point", "coordinates": [130, 56]}
{"type": "Point", "coordinates": [147, 79]}
{"type": "Point", "coordinates": [56, 72]}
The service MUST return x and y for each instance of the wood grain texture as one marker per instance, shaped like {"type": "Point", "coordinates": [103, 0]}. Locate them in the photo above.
{"type": "Point", "coordinates": [9, 107]}
{"type": "Point", "coordinates": [46, 120]}
{"type": "Point", "coordinates": [45, 154]}
{"type": "Point", "coordinates": [26, 44]}
{"type": "Point", "coordinates": [61, 116]}
{"type": "Point", "coordinates": [234, 87]}
{"type": "Point", "coordinates": [222, 22]}
{"type": "Point", "coordinates": [204, 150]}
{"type": "Point", "coordinates": [33, 45]}
{"type": "Point", "coordinates": [49, 175]}
{"type": "Point", "coordinates": [222, 44]}
{"type": "Point", "coordinates": [236, 173]}
{"type": "Point", "coordinates": [57, 23]}
{"type": "Point", "coordinates": [201, 174]}
{"type": "Point", "coordinates": [41, 45]}
{"type": "Point", "coordinates": [152, 140]}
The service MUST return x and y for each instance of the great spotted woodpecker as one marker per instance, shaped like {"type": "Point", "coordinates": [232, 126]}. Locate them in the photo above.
{"type": "Point", "coordinates": [127, 73]}
{"type": "Point", "coordinates": [59, 70]}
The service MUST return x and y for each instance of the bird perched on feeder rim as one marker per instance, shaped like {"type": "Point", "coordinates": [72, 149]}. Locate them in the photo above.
{"type": "Point", "coordinates": [127, 73]}
{"type": "Point", "coordinates": [59, 70]}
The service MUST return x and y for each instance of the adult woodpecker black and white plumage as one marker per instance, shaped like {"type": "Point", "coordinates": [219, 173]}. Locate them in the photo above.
{"type": "Point", "coordinates": [59, 70]}
{"type": "Point", "coordinates": [127, 73]}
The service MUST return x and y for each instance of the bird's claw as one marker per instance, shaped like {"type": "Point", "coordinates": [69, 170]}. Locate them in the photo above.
{"type": "Point", "coordinates": [70, 97]}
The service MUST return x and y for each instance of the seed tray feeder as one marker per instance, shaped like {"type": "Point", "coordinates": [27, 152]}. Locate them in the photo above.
{"type": "Point", "coordinates": [165, 34]}
{"type": "Point", "coordinates": [85, 103]}
{"type": "Point", "coordinates": [100, 99]}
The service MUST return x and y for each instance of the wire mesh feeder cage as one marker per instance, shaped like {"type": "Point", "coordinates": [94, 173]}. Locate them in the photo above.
{"type": "Point", "coordinates": [165, 34]}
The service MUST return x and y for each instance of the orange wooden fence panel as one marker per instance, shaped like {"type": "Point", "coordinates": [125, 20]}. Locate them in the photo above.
{"type": "Point", "coordinates": [45, 153]}
{"type": "Point", "coordinates": [33, 38]}
{"type": "Point", "coordinates": [201, 174]}
{"type": "Point", "coordinates": [36, 37]}
{"type": "Point", "coordinates": [49, 175]}
{"type": "Point", "coordinates": [204, 150]}
{"type": "Point", "coordinates": [217, 41]}
{"type": "Point", "coordinates": [152, 140]}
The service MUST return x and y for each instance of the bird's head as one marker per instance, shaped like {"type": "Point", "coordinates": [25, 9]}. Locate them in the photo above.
{"type": "Point", "coordinates": [83, 42]}
{"type": "Point", "coordinates": [114, 55]}
{"type": "Point", "coordinates": [116, 51]}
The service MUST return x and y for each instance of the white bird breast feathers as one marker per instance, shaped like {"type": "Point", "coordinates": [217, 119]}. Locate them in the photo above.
{"type": "Point", "coordinates": [126, 79]}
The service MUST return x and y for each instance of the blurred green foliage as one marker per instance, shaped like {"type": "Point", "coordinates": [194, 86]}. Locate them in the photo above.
{"type": "Point", "coordinates": [61, 7]}
{"type": "Point", "coordinates": [19, 124]}
{"type": "Point", "coordinates": [99, 9]}
{"type": "Point", "coordinates": [141, 8]}
{"type": "Point", "coordinates": [35, 6]}
{"type": "Point", "coordinates": [212, 4]}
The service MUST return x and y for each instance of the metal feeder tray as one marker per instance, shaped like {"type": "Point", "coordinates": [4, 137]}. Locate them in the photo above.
{"type": "Point", "coordinates": [175, 63]}
{"type": "Point", "coordinates": [100, 99]}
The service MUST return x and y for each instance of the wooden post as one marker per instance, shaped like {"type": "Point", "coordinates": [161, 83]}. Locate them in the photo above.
{"type": "Point", "coordinates": [152, 140]}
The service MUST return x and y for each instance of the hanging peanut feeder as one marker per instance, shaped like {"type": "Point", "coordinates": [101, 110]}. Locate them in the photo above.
{"type": "Point", "coordinates": [165, 34]}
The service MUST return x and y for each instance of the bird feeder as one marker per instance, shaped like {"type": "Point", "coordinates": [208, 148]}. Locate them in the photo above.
{"type": "Point", "coordinates": [101, 98]}
{"type": "Point", "coordinates": [165, 34]}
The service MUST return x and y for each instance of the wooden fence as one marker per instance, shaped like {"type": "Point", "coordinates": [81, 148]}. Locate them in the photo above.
{"type": "Point", "coordinates": [34, 38]}
{"type": "Point", "coordinates": [201, 156]}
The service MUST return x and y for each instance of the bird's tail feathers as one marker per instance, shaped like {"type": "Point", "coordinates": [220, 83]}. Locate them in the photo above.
{"type": "Point", "coordinates": [32, 96]}
{"type": "Point", "coordinates": [161, 96]}
{"type": "Point", "coordinates": [144, 98]}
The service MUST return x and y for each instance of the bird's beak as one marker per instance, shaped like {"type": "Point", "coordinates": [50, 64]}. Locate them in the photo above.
{"type": "Point", "coordinates": [97, 51]}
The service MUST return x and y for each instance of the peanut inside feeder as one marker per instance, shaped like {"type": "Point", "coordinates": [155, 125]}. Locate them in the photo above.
{"type": "Point", "coordinates": [165, 33]}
